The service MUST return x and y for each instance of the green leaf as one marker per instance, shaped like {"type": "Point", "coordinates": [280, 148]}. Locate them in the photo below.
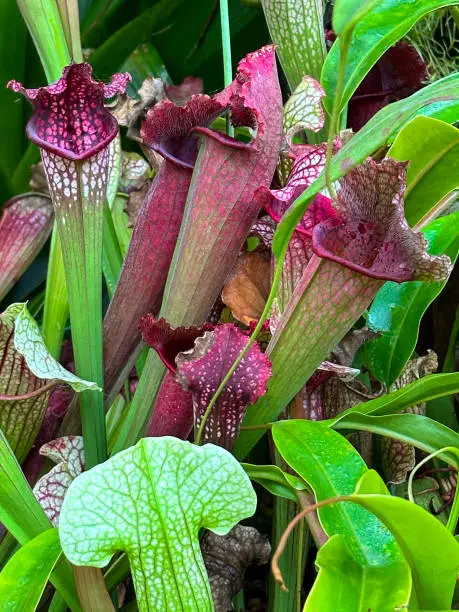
{"type": "Point", "coordinates": [274, 480]}
{"type": "Point", "coordinates": [117, 48]}
{"type": "Point", "coordinates": [297, 29]}
{"type": "Point", "coordinates": [45, 27]}
{"type": "Point", "coordinates": [332, 467]}
{"type": "Point", "coordinates": [432, 148]}
{"type": "Point", "coordinates": [372, 136]}
{"type": "Point", "coordinates": [29, 343]}
{"type": "Point", "coordinates": [343, 584]}
{"type": "Point", "coordinates": [434, 559]}
{"type": "Point", "coordinates": [24, 577]}
{"type": "Point", "coordinates": [415, 429]}
{"type": "Point", "coordinates": [347, 13]}
{"type": "Point", "coordinates": [398, 308]}
{"type": "Point", "coordinates": [23, 516]}
{"type": "Point", "coordinates": [386, 23]}
{"type": "Point", "coordinates": [151, 500]}
{"type": "Point", "coordinates": [422, 390]}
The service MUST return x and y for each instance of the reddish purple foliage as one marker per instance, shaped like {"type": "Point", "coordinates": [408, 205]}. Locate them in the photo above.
{"type": "Point", "coordinates": [371, 235]}
{"type": "Point", "coordinates": [179, 94]}
{"type": "Point", "coordinates": [221, 205]}
{"type": "Point", "coordinates": [169, 130]}
{"type": "Point", "coordinates": [202, 370]}
{"type": "Point", "coordinates": [169, 341]}
{"type": "Point", "coordinates": [70, 119]}
{"type": "Point", "coordinates": [173, 411]}
{"type": "Point", "coordinates": [399, 73]}
{"type": "Point", "coordinates": [309, 161]}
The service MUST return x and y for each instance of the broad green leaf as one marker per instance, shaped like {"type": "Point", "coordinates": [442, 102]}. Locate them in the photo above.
{"type": "Point", "coordinates": [143, 62]}
{"type": "Point", "coordinates": [276, 481]}
{"type": "Point", "coordinates": [13, 40]}
{"type": "Point", "coordinates": [386, 23]}
{"type": "Point", "coordinates": [415, 429]}
{"type": "Point", "coordinates": [347, 13]}
{"type": "Point", "coordinates": [332, 467]}
{"type": "Point", "coordinates": [422, 390]}
{"type": "Point", "coordinates": [117, 48]}
{"type": "Point", "coordinates": [433, 557]}
{"type": "Point", "coordinates": [24, 518]}
{"type": "Point", "coordinates": [398, 308]}
{"type": "Point", "coordinates": [297, 29]}
{"type": "Point", "coordinates": [150, 501]}
{"type": "Point", "coordinates": [29, 343]}
{"type": "Point", "coordinates": [432, 148]}
{"type": "Point", "coordinates": [344, 584]}
{"type": "Point", "coordinates": [24, 577]}
{"type": "Point", "coordinates": [372, 136]}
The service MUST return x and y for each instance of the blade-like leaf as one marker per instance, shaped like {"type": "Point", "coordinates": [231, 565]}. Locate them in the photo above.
{"type": "Point", "coordinates": [422, 390]}
{"type": "Point", "coordinates": [29, 343]}
{"type": "Point", "coordinates": [398, 308]}
{"type": "Point", "coordinates": [434, 562]}
{"type": "Point", "coordinates": [415, 429]}
{"type": "Point", "coordinates": [353, 587]}
{"type": "Point", "coordinates": [150, 501]}
{"type": "Point", "coordinates": [274, 480]}
{"type": "Point", "coordinates": [386, 23]}
{"type": "Point", "coordinates": [347, 13]}
{"type": "Point", "coordinates": [332, 467]}
{"type": "Point", "coordinates": [24, 518]}
{"type": "Point", "coordinates": [432, 148]}
{"type": "Point", "coordinates": [24, 577]}
{"type": "Point", "coordinates": [374, 135]}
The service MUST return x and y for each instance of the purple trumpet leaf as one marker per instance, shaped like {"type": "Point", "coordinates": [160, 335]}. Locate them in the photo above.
{"type": "Point", "coordinates": [342, 278]}
{"type": "Point", "coordinates": [24, 228]}
{"type": "Point", "coordinates": [143, 276]}
{"type": "Point", "coordinates": [221, 207]}
{"type": "Point", "coordinates": [198, 358]}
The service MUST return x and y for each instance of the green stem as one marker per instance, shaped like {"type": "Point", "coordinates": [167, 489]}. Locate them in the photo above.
{"type": "Point", "coordinates": [333, 131]}
{"type": "Point", "coordinates": [113, 259]}
{"type": "Point", "coordinates": [56, 309]}
{"type": "Point", "coordinates": [141, 406]}
{"type": "Point", "coordinates": [226, 45]}
{"type": "Point", "coordinates": [81, 226]}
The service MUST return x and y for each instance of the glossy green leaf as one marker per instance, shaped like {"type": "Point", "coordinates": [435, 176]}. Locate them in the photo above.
{"type": "Point", "coordinates": [12, 51]}
{"type": "Point", "coordinates": [24, 577]}
{"type": "Point", "coordinates": [29, 343]}
{"type": "Point", "coordinates": [143, 62]}
{"type": "Point", "coordinates": [45, 26]}
{"type": "Point", "coordinates": [372, 136]}
{"type": "Point", "coordinates": [347, 13]}
{"type": "Point", "coordinates": [434, 558]}
{"type": "Point", "coordinates": [386, 23]}
{"type": "Point", "coordinates": [398, 308]}
{"type": "Point", "coordinates": [422, 390]}
{"type": "Point", "coordinates": [117, 48]}
{"type": "Point", "coordinates": [344, 584]}
{"type": "Point", "coordinates": [275, 480]}
{"type": "Point", "coordinates": [414, 429]}
{"type": "Point", "coordinates": [150, 501]}
{"type": "Point", "coordinates": [432, 148]}
{"type": "Point", "coordinates": [332, 467]}
{"type": "Point", "coordinates": [24, 518]}
{"type": "Point", "coordinates": [297, 29]}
